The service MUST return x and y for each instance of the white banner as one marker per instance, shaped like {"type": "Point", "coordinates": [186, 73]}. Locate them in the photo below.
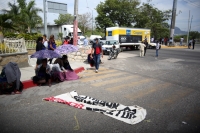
{"type": "Point", "coordinates": [129, 114]}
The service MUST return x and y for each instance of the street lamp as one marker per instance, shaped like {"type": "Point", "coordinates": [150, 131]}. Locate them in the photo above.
{"type": "Point", "coordinates": [92, 19]}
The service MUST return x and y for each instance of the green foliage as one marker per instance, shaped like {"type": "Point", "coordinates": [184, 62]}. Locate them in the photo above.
{"type": "Point", "coordinates": [194, 34]}
{"type": "Point", "coordinates": [24, 16]}
{"type": "Point", "coordinates": [64, 19]}
{"type": "Point", "coordinates": [60, 35]}
{"type": "Point", "coordinates": [26, 36]}
{"type": "Point", "coordinates": [126, 13]}
{"type": "Point", "coordinates": [59, 43]}
{"type": "Point", "coordinates": [112, 12]}
{"type": "Point", "coordinates": [6, 22]}
{"type": "Point", "coordinates": [154, 19]}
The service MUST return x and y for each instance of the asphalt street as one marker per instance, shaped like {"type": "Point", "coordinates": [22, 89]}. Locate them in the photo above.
{"type": "Point", "coordinates": [168, 87]}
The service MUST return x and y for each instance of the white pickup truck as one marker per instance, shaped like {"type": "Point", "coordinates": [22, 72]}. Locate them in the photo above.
{"type": "Point", "coordinates": [108, 45]}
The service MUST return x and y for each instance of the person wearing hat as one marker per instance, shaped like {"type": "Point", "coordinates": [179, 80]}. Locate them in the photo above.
{"type": "Point", "coordinates": [96, 53]}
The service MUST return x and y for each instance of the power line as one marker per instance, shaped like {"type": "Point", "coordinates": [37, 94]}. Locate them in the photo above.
{"type": "Point", "coordinates": [192, 3]}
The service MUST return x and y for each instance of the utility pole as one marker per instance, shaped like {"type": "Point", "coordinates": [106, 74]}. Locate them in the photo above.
{"type": "Point", "coordinates": [92, 19]}
{"type": "Point", "coordinates": [75, 30]}
{"type": "Point", "coordinates": [45, 16]}
{"type": "Point", "coordinates": [173, 20]}
{"type": "Point", "coordinates": [188, 29]}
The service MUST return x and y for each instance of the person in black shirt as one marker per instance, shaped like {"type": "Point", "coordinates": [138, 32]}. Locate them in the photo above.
{"type": "Point", "coordinates": [39, 46]}
{"type": "Point", "coordinates": [96, 51]}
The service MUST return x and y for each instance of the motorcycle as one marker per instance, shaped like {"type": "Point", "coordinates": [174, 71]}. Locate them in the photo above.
{"type": "Point", "coordinates": [113, 53]}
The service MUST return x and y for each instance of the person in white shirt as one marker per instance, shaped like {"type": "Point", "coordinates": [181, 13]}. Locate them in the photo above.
{"type": "Point", "coordinates": [181, 41]}
{"type": "Point", "coordinates": [85, 42]}
{"type": "Point", "coordinates": [152, 39]}
{"type": "Point", "coordinates": [45, 41]}
{"type": "Point", "coordinates": [142, 45]}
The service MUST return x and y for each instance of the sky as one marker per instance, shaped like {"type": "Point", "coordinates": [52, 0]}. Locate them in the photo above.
{"type": "Point", "coordinates": [183, 7]}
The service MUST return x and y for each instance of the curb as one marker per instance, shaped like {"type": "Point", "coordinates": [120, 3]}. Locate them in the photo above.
{"type": "Point", "coordinates": [29, 83]}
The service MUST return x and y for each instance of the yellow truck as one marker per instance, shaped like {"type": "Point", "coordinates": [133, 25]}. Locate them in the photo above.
{"type": "Point", "coordinates": [128, 37]}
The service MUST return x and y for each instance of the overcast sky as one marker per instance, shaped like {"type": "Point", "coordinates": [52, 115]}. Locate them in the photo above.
{"type": "Point", "coordinates": [183, 7]}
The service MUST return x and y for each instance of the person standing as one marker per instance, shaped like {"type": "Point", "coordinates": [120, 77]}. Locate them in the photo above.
{"type": "Point", "coordinates": [193, 43]}
{"type": "Point", "coordinates": [66, 41]}
{"type": "Point", "coordinates": [85, 42]}
{"type": "Point", "coordinates": [146, 45]}
{"type": "Point", "coordinates": [152, 40]}
{"type": "Point", "coordinates": [189, 44]}
{"type": "Point", "coordinates": [162, 41]}
{"type": "Point", "coordinates": [157, 48]}
{"type": "Point", "coordinates": [142, 46]}
{"type": "Point", "coordinates": [39, 46]}
{"type": "Point", "coordinates": [181, 41]}
{"type": "Point", "coordinates": [45, 41]}
{"type": "Point", "coordinates": [51, 45]}
{"type": "Point", "coordinates": [96, 50]}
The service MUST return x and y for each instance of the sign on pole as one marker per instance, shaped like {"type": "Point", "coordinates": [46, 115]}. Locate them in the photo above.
{"type": "Point", "coordinates": [55, 7]}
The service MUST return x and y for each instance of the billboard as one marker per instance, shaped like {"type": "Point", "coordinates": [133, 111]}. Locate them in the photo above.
{"type": "Point", "coordinates": [55, 7]}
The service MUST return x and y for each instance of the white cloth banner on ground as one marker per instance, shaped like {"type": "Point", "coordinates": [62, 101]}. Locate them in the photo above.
{"type": "Point", "coordinates": [129, 114]}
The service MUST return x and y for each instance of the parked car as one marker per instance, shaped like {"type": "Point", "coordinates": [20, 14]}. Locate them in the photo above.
{"type": "Point", "coordinates": [153, 46]}
{"type": "Point", "coordinates": [108, 45]}
{"type": "Point", "coordinates": [92, 37]}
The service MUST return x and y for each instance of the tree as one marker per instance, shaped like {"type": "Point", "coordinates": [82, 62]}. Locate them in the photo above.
{"type": "Point", "coordinates": [154, 19]}
{"type": "Point", "coordinates": [64, 19]}
{"type": "Point", "coordinates": [6, 22]}
{"type": "Point", "coordinates": [84, 22]}
{"type": "Point", "coordinates": [24, 15]}
{"type": "Point", "coordinates": [112, 12]}
{"type": "Point", "coordinates": [29, 13]}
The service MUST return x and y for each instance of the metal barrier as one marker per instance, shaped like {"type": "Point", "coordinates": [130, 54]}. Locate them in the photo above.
{"type": "Point", "coordinates": [13, 45]}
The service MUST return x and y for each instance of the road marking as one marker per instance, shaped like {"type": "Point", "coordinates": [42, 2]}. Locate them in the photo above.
{"type": "Point", "coordinates": [116, 88]}
{"type": "Point", "coordinates": [176, 96]}
{"type": "Point", "coordinates": [93, 70]}
{"type": "Point", "coordinates": [104, 72]}
{"type": "Point", "coordinates": [145, 92]}
{"type": "Point", "coordinates": [100, 77]}
{"type": "Point", "coordinates": [113, 81]}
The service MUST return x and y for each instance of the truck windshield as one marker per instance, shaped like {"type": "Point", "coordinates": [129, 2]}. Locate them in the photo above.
{"type": "Point", "coordinates": [111, 42]}
{"type": "Point", "coordinates": [79, 34]}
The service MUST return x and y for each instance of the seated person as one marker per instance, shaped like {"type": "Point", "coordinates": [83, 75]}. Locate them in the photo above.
{"type": "Point", "coordinates": [43, 73]}
{"type": "Point", "coordinates": [70, 74]}
{"type": "Point", "coordinates": [67, 40]}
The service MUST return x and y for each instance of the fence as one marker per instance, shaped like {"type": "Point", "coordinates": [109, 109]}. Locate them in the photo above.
{"type": "Point", "coordinates": [30, 44]}
{"type": "Point", "coordinates": [13, 45]}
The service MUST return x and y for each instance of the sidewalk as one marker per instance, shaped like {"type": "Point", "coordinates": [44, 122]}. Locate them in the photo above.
{"type": "Point", "coordinates": [28, 72]}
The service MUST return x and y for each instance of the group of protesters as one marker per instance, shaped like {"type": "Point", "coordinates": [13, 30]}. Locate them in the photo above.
{"type": "Point", "coordinates": [60, 70]}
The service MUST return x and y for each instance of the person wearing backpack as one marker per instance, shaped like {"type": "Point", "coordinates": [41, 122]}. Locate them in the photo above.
{"type": "Point", "coordinates": [96, 53]}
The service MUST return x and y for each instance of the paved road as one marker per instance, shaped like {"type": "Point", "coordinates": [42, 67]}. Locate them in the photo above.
{"type": "Point", "coordinates": [167, 87]}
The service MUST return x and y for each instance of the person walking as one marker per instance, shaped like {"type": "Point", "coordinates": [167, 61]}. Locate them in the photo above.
{"type": "Point", "coordinates": [51, 45]}
{"type": "Point", "coordinates": [157, 48]}
{"type": "Point", "coordinates": [189, 44]}
{"type": "Point", "coordinates": [146, 45]}
{"type": "Point", "coordinates": [96, 53]}
{"type": "Point", "coordinates": [193, 43]}
{"type": "Point", "coordinates": [181, 41]}
{"type": "Point", "coordinates": [85, 42]}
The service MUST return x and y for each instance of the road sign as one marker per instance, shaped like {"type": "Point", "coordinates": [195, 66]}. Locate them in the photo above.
{"type": "Point", "coordinates": [55, 7]}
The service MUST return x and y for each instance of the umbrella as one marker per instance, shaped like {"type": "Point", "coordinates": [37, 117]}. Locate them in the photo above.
{"type": "Point", "coordinates": [65, 49]}
{"type": "Point", "coordinates": [42, 54]}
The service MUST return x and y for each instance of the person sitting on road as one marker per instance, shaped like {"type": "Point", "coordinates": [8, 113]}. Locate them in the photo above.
{"type": "Point", "coordinates": [43, 74]}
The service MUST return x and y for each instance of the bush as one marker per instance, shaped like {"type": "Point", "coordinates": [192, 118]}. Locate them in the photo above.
{"type": "Point", "coordinates": [58, 42]}
{"type": "Point", "coordinates": [5, 49]}
{"type": "Point", "coordinates": [26, 36]}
